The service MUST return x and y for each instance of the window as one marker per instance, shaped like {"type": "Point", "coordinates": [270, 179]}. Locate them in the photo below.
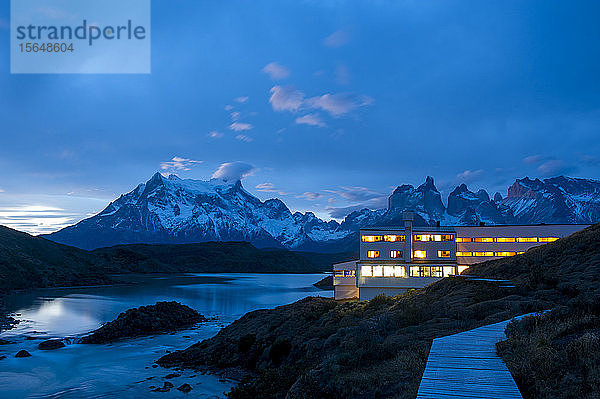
{"type": "Point", "coordinates": [520, 253]}
{"type": "Point", "coordinates": [377, 271]}
{"type": "Point", "coordinates": [443, 254]}
{"type": "Point", "coordinates": [505, 239]}
{"type": "Point", "coordinates": [372, 238]}
{"type": "Point", "coordinates": [527, 239]}
{"type": "Point", "coordinates": [463, 239]}
{"type": "Point", "coordinates": [506, 253]}
{"type": "Point", "coordinates": [548, 239]}
{"type": "Point", "coordinates": [435, 271]}
{"type": "Point", "coordinates": [345, 273]}
{"type": "Point", "coordinates": [414, 271]}
{"type": "Point", "coordinates": [366, 271]}
{"type": "Point", "coordinates": [462, 268]}
{"type": "Point", "coordinates": [426, 271]}
{"type": "Point", "coordinates": [393, 238]}
{"type": "Point", "coordinates": [464, 253]}
{"type": "Point", "coordinates": [483, 254]}
{"type": "Point", "coordinates": [434, 237]}
{"type": "Point", "coordinates": [483, 239]}
{"type": "Point", "coordinates": [399, 271]}
{"type": "Point", "coordinates": [420, 254]}
{"type": "Point", "coordinates": [448, 270]}
{"type": "Point", "coordinates": [388, 271]}
{"type": "Point", "coordinates": [372, 254]}
{"type": "Point", "coordinates": [395, 254]}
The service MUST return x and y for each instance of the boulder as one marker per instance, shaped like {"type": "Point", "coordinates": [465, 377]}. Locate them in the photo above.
{"type": "Point", "coordinates": [51, 344]}
{"type": "Point", "coordinates": [23, 353]}
{"type": "Point", "coordinates": [185, 388]}
{"type": "Point", "coordinates": [2, 357]}
{"type": "Point", "coordinates": [165, 388]}
{"type": "Point", "coordinates": [146, 320]}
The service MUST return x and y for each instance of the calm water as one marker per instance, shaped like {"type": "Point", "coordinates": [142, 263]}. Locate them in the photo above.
{"type": "Point", "coordinates": [124, 369]}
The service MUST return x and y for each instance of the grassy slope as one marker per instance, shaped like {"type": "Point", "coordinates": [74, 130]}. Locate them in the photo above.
{"type": "Point", "coordinates": [322, 348]}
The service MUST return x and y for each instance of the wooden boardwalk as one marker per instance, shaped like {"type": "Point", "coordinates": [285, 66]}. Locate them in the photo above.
{"type": "Point", "coordinates": [465, 365]}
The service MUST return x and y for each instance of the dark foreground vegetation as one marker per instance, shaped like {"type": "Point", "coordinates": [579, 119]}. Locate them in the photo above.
{"type": "Point", "coordinates": [320, 348]}
{"type": "Point", "coordinates": [159, 318]}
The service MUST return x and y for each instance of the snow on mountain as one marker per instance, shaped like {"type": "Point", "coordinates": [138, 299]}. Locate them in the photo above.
{"type": "Point", "coordinates": [172, 210]}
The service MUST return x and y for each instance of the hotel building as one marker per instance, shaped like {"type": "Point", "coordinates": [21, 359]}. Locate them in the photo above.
{"type": "Point", "coordinates": [396, 259]}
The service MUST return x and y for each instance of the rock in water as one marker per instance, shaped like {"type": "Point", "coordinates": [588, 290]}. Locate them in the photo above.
{"type": "Point", "coordinates": [4, 342]}
{"type": "Point", "coordinates": [145, 320]}
{"type": "Point", "coordinates": [2, 357]}
{"type": "Point", "coordinates": [23, 353]}
{"type": "Point", "coordinates": [165, 388]}
{"type": "Point", "coordinates": [51, 344]}
{"type": "Point", "coordinates": [185, 388]}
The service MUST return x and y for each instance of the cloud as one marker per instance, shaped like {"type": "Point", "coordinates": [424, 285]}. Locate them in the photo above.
{"type": "Point", "coordinates": [241, 100]}
{"type": "Point", "coordinates": [289, 99]}
{"type": "Point", "coordinates": [469, 176]}
{"type": "Point", "coordinates": [228, 107]}
{"type": "Point", "coordinates": [269, 188]}
{"type": "Point", "coordinates": [276, 71]}
{"type": "Point", "coordinates": [337, 39]}
{"type": "Point", "coordinates": [311, 120]}
{"type": "Point", "coordinates": [342, 212]}
{"type": "Point", "coordinates": [309, 195]}
{"type": "Point", "coordinates": [235, 115]}
{"type": "Point", "coordinates": [233, 171]}
{"type": "Point", "coordinates": [1, 191]}
{"type": "Point", "coordinates": [36, 219]}
{"type": "Point", "coordinates": [244, 138]}
{"type": "Point", "coordinates": [239, 126]}
{"type": "Point", "coordinates": [533, 159]}
{"type": "Point", "coordinates": [554, 167]}
{"type": "Point", "coordinates": [590, 160]}
{"type": "Point", "coordinates": [286, 98]}
{"type": "Point", "coordinates": [338, 104]}
{"type": "Point", "coordinates": [215, 134]}
{"type": "Point", "coordinates": [178, 163]}
{"type": "Point", "coordinates": [357, 194]}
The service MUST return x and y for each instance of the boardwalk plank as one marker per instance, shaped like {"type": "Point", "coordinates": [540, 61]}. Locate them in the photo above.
{"type": "Point", "coordinates": [465, 365]}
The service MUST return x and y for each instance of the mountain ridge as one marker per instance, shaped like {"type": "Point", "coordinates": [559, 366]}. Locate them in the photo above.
{"type": "Point", "coordinates": [170, 210]}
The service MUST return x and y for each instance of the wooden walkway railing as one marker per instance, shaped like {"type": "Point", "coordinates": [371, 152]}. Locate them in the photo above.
{"type": "Point", "coordinates": [466, 365]}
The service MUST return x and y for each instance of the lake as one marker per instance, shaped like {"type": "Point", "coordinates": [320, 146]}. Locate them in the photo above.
{"type": "Point", "coordinates": [125, 368]}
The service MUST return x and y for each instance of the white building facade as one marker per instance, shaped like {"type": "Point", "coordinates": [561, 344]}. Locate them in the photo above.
{"type": "Point", "coordinates": [394, 260]}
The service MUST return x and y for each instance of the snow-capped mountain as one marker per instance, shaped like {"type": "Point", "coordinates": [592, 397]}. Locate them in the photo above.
{"type": "Point", "coordinates": [172, 210]}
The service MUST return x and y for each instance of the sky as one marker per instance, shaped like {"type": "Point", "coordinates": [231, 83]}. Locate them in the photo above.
{"type": "Point", "coordinates": [325, 104]}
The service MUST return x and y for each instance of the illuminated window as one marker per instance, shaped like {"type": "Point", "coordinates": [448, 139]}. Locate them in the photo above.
{"type": "Point", "coordinates": [366, 271]}
{"type": "Point", "coordinates": [462, 268]}
{"type": "Point", "coordinates": [443, 254]}
{"type": "Point", "coordinates": [426, 271]}
{"type": "Point", "coordinates": [372, 238]}
{"type": "Point", "coordinates": [506, 253]}
{"type": "Point", "coordinates": [393, 238]}
{"type": "Point", "coordinates": [346, 273]}
{"type": "Point", "coordinates": [505, 239]}
{"type": "Point", "coordinates": [464, 253]}
{"type": "Point", "coordinates": [350, 273]}
{"type": "Point", "coordinates": [420, 254]}
{"type": "Point", "coordinates": [448, 270]}
{"type": "Point", "coordinates": [527, 239]}
{"type": "Point", "coordinates": [483, 254]}
{"type": "Point", "coordinates": [435, 271]}
{"type": "Point", "coordinates": [399, 271]}
{"type": "Point", "coordinates": [520, 253]}
{"type": "Point", "coordinates": [548, 239]}
{"type": "Point", "coordinates": [377, 271]}
{"type": "Point", "coordinates": [483, 239]}
{"type": "Point", "coordinates": [338, 273]}
{"type": "Point", "coordinates": [395, 254]}
{"type": "Point", "coordinates": [388, 271]}
{"type": "Point", "coordinates": [414, 271]}
{"type": "Point", "coordinates": [463, 239]}
{"type": "Point", "coordinates": [372, 254]}
{"type": "Point", "coordinates": [434, 237]}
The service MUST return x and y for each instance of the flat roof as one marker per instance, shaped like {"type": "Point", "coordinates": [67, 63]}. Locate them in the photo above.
{"type": "Point", "coordinates": [448, 228]}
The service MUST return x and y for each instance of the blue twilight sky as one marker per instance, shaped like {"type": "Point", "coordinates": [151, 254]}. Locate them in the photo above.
{"type": "Point", "coordinates": [326, 104]}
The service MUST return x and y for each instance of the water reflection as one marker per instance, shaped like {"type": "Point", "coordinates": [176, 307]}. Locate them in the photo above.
{"type": "Point", "coordinates": [122, 369]}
